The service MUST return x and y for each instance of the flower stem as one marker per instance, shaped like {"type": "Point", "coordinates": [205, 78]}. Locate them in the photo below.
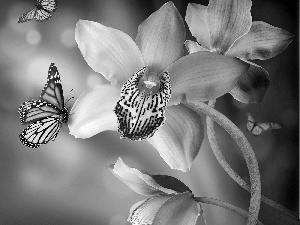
{"type": "Point", "coordinates": [222, 161]}
{"type": "Point", "coordinates": [247, 151]}
{"type": "Point", "coordinates": [225, 205]}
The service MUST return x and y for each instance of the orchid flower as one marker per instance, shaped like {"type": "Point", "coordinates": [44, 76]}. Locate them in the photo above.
{"type": "Point", "coordinates": [169, 200]}
{"type": "Point", "coordinates": [149, 78]}
{"type": "Point", "coordinates": [226, 27]}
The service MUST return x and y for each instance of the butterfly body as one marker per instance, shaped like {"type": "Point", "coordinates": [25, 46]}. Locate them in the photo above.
{"type": "Point", "coordinates": [46, 115]}
{"type": "Point", "coordinates": [256, 128]}
{"type": "Point", "coordinates": [41, 12]}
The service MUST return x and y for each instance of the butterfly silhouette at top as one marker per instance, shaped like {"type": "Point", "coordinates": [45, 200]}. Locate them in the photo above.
{"type": "Point", "coordinates": [41, 12]}
{"type": "Point", "coordinates": [46, 115]}
{"type": "Point", "coordinates": [256, 128]}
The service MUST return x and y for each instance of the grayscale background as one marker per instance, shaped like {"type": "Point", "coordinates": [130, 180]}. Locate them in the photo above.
{"type": "Point", "coordinates": [66, 181]}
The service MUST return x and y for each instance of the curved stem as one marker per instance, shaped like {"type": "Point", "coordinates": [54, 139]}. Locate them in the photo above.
{"type": "Point", "coordinates": [247, 151]}
{"type": "Point", "coordinates": [222, 161]}
{"type": "Point", "coordinates": [225, 205]}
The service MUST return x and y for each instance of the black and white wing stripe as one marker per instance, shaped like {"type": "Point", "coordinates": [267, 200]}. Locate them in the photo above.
{"type": "Point", "coordinates": [41, 131]}
{"type": "Point", "coordinates": [48, 5]}
{"type": "Point", "coordinates": [53, 92]}
{"type": "Point", "coordinates": [34, 110]}
{"type": "Point", "coordinates": [28, 16]}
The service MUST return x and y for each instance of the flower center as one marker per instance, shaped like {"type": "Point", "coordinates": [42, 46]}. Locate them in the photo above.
{"type": "Point", "coordinates": [149, 82]}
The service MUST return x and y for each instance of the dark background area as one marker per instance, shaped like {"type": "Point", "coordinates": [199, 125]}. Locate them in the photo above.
{"type": "Point", "coordinates": [66, 181]}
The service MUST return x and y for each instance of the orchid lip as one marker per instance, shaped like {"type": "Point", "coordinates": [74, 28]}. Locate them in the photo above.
{"type": "Point", "coordinates": [140, 110]}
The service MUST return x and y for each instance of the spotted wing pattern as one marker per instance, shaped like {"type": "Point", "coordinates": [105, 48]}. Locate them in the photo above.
{"type": "Point", "coordinates": [140, 114]}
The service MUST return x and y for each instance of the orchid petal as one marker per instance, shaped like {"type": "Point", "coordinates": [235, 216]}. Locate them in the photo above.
{"type": "Point", "coordinates": [160, 37]}
{"type": "Point", "coordinates": [139, 182]}
{"type": "Point", "coordinates": [227, 21]}
{"type": "Point", "coordinates": [263, 41]}
{"type": "Point", "coordinates": [93, 113]}
{"type": "Point", "coordinates": [139, 113]}
{"type": "Point", "coordinates": [196, 20]}
{"type": "Point", "coordinates": [204, 76]}
{"type": "Point", "coordinates": [180, 209]}
{"type": "Point", "coordinates": [171, 183]}
{"type": "Point", "coordinates": [179, 140]}
{"type": "Point", "coordinates": [144, 212]}
{"type": "Point", "coordinates": [252, 86]}
{"type": "Point", "coordinates": [201, 220]}
{"type": "Point", "coordinates": [108, 51]}
{"type": "Point", "coordinates": [193, 46]}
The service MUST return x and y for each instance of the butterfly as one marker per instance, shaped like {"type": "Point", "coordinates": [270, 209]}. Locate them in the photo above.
{"type": "Point", "coordinates": [258, 128]}
{"type": "Point", "coordinates": [41, 12]}
{"type": "Point", "coordinates": [46, 115]}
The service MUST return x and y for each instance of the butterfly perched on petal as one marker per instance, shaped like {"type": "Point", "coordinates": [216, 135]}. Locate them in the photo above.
{"type": "Point", "coordinates": [258, 128]}
{"type": "Point", "coordinates": [41, 12]}
{"type": "Point", "coordinates": [46, 115]}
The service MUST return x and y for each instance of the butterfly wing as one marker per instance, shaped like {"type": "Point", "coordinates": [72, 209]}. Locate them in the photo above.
{"type": "Point", "coordinates": [48, 5]}
{"type": "Point", "coordinates": [41, 131]}
{"type": "Point", "coordinates": [257, 130]}
{"type": "Point", "coordinates": [250, 122]}
{"type": "Point", "coordinates": [42, 15]}
{"type": "Point", "coordinates": [34, 110]}
{"type": "Point", "coordinates": [53, 92]}
{"type": "Point", "coordinates": [268, 126]}
{"type": "Point", "coordinates": [28, 16]}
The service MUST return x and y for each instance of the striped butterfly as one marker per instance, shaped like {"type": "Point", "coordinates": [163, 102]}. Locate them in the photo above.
{"type": "Point", "coordinates": [258, 128]}
{"type": "Point", "coordinates": [41, 12]}
{"type": "Point", "coordinates": [46, 115]}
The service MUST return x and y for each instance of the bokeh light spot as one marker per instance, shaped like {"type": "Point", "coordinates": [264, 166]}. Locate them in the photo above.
{"type": "Point", "coordinates": [33, 37]}
{"type": "Point", "coordinates": [68, 37]}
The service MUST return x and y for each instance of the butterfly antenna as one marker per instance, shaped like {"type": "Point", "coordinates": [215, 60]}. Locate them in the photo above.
{"type": "Point", "coordinates": [69, 98]}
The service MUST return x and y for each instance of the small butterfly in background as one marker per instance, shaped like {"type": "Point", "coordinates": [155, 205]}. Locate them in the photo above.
{"type": "Point", "coordinates": [258, 128]}
{"type": "Point", "coordinates": [41, 12]}
{"type": "Point", "coordinates": [46, 115]}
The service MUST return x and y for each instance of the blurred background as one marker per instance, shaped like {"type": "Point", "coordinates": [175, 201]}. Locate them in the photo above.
{"type": "Point", "coordinates": [66, 181]}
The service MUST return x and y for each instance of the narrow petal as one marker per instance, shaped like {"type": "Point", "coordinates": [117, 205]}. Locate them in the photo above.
{"type": "Point", "coordinates": [204, 76]}
{"type": "Point", "coordinates": [180, 209]}
{"type": "Point", "coordinates": [263, 41]}
{"type": "Point", "coordinates": [227, 21]}
{"type": "Point", "coordinates": [193, 46]}
{"type": "Point", "coordinates": [179, 140]}
{"type": "Point", "coordinates": [252, 86]}
{"type": "Point", "coordinates": [139, 113]}
{"type": "Point", "coordinates": [201, 220]}
{"type": "Point", "coordinates": [108, 51]}
{"type": "Point", "coordinates": [171, 183]}
{"type": "Point", "coordinates": [143, 212]}
{"type": "Point", "coordinates": [160, 37]}
{"type": "Point", "coordinates": [196, 20]}
{"type": "Point", "coordinates": [93, 113]}
{"type": "Point", "coordinates": [139, 182]}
